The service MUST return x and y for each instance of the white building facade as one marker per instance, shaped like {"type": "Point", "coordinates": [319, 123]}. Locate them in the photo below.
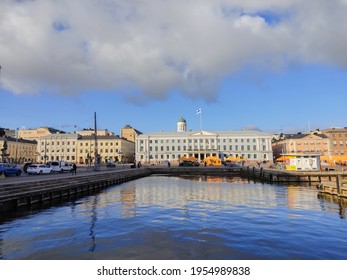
{"type": "Point", "coordinates": [159, 146]}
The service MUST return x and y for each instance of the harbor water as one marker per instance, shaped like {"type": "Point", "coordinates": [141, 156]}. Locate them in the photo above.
{"type": "Point", "coordinates": [187, 217]}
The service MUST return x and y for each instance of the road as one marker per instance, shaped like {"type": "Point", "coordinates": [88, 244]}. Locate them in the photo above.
{"type": "Point", "coordinates": [81, 170]}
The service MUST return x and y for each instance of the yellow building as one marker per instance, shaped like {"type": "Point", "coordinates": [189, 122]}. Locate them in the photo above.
{"type": "Point", "coordinates": [90, 131]}
{"type": "Point", "coordinates": [129, 133]}
{"type": "Point", "coordinates": [110, 148]}
{"type": "Point", "coordinates": [35, 134]}
{"type": "Point", "coordinates": [301, 144]}
{"type": "Point", "coordinates": [338, 141]}
{"type": "Point", "coordinates": [18, 150]}
{"type": "Point", "coordinates": [58, 147]}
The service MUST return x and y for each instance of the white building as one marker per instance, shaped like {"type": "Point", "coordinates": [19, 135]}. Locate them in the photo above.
{"type": "Point", "coordinates": [303, 162]}
{"type": "Point", "coordinates": [159, 146]}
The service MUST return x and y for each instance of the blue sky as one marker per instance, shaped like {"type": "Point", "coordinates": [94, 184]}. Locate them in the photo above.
{"type": "Point", "coordinates": [248, 68]}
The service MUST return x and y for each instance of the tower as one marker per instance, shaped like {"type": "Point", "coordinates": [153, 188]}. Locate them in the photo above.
{"type": "Point", "coordinates": [181, 125]}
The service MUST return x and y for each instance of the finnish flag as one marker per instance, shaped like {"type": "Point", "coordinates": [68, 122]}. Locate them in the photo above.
{"type": "Point", "coordinates": [198, 111]}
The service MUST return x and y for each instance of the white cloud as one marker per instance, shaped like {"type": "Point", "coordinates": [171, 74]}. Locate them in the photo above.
{"type": "Point", "coordinates": [155, 46]}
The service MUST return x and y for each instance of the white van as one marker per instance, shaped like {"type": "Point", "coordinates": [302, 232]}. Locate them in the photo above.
{"type": "Point", "coordinates": [60, 166]}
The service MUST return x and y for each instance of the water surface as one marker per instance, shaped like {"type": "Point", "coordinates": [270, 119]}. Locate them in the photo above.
{"type": "Point", "coordinates": [200, 217]}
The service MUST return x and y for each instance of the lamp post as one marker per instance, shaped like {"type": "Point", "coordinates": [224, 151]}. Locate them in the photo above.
{"type": "Point", "coordinates": [16, 146]}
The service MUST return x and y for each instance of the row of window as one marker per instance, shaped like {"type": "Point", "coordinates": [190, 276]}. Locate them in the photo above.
{"type": "Point", "coordinates": [175, 157]}
{"type": "Point", "coordinates": [21, 146]}
{"type": "Point", "coordinates": [207, 141]}
{"type": "Point", "coordinates": [100, 151]}
{"type": "Point", "coordinates": [307, 143]}
{"type": "Point", "coordinates": [53, 158]}
{"type": "Point", "coordinates": [196, 148]}
{"type": "Point", "coordinates": [59, 151]}
{"type": "Point", "coordinates": [73, 143]}
{"type": "Point", "coordinates": [99, 143]}
{"type": "Point", "coordinates": [340, 142]}
{"type": "Point", "coordinates": [81, 151]}
{"type": "Point", "coordinates": [307, 150]}
{"type": "Point", "coordinates": [68, 143]}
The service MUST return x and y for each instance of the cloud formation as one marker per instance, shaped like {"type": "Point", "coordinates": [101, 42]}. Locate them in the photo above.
{"type": "Point", "coordinates": [144, 49]}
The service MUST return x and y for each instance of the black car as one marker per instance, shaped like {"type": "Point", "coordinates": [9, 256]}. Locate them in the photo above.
{"type": "Point", "coordinates": [189, 163]}
{"type": "Point", "coordinates": [26, 165]}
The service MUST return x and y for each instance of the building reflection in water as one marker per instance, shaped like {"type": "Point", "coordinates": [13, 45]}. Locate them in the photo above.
{"type": "Point", "coordinates": [128, 201]}
{"type": "Point", "coordinates": [329, 202]}
{"type": "Point", "coordinates": [212, 191]}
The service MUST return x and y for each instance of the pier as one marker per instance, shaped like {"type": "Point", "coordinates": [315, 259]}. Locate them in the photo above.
{"type": "Point", "coordinates": [45, 189]}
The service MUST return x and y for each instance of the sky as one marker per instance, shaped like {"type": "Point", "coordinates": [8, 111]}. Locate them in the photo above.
{"type": "Point", "coordinates": [274, 66]}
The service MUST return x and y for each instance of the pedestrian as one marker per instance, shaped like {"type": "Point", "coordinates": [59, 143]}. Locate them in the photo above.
{"type": "Point", "coordinates": [74, 169]}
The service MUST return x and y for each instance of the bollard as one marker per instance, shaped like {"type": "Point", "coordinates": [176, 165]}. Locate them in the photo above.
{"type": "Point", "coordinates": [339, 184]}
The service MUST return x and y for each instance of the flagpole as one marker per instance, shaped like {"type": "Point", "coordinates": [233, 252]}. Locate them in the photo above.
{"type": "Point", "coordinates": [199, 111]}
{"type": "Point", "coordinates": [200, 121]}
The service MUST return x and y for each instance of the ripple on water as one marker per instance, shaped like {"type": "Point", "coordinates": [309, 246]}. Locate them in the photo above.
{"type": "Point", "coordinates": [183, 218]}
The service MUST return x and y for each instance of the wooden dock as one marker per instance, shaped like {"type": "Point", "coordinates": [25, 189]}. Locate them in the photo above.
{"type": "Point", "coordinates": [334, 183]}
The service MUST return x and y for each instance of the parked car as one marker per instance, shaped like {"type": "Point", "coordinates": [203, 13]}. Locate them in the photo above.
{"type": "Point", "coordinates": [9, 169]}
{"type": "Point", "coordinates": [39, 169]}
{"type": "Point", "coordinates": [60, 166]}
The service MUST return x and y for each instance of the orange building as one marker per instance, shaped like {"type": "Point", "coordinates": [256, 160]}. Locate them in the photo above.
{"type": "Point", "coordinates": [313, 143]}
{"type": "Point", "coordinates": [338, 145]}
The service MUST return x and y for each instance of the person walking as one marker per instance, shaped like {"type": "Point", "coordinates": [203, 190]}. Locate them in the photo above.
{"type": "Point", "coordinates": [74, 169]}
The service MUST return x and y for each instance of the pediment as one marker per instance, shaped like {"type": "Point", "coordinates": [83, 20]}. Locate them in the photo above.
{"type": "Point", "coordinates": [202, 133]}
